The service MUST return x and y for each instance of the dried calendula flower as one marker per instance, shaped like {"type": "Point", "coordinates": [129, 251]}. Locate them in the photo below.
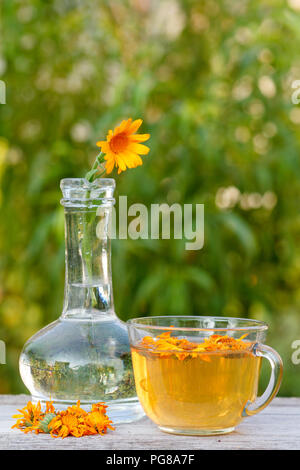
{"type": "Point", "coordinates": [166, 345]}
{"type": "Point", "coordinates": [74, 421]}
{"type": "Point", "coordinates": [31, 416]}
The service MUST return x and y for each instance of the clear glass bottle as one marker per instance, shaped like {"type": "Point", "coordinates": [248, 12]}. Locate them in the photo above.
{"type": "Point", "coordinates": [85, 354]}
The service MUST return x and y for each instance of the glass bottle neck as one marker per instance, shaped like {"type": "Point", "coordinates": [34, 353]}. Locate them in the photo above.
{"type": "Point", "coordinates": [88, 283]}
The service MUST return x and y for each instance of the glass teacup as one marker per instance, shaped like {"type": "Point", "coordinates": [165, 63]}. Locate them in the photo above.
{"type": "Point", "coordinates": [199, 375]}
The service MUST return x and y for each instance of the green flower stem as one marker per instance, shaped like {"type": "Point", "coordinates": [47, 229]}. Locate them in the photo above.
{"type": "Point", "coordinates": [97, 170]}
{"type": "Point", "coordinates": [97, 166]}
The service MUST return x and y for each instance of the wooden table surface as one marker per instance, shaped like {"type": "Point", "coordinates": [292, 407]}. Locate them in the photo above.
{"type": "Point", "coordinates": [277, 427]}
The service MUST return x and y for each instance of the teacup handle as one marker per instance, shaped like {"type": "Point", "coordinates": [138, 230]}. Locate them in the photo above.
{"type": "Point", "coordinates": [261, 350]}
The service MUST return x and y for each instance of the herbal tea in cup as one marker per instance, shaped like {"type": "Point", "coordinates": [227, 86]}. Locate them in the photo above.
{"type": "Point", "coordinates": [199, 375]}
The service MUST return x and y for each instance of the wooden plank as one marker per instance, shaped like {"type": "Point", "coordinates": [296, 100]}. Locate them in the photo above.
{"type": "Point", "coordinates": [277, 427]}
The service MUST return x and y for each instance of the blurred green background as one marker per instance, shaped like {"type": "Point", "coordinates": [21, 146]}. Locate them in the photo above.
{"type": "Point", "coordinates": [212, 81]}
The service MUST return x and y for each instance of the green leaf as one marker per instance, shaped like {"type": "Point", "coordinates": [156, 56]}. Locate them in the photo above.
{"type": "Point", "coordinates": [44, 424]}
{"type": "Point", "coordinates": [28, 424]}
{"type": "Point", "coordinates": [149, 287]}
{"type": "Point", "coordinates": [176, 297]}
{"type": "Point", "coordinates": [199, 276]}
{"type": "Point", "coordinates": [240, 228]}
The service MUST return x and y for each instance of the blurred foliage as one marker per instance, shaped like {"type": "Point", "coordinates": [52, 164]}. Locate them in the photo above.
{"type": "Point", "coordinates": [212, 81]}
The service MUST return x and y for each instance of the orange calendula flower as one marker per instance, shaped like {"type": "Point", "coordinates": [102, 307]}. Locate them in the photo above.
{"type": "Point", "coordinates": [29, 418]}
{"type": "Point", "coordinates": [74, 421]}
{"type": "Point", "coordinates": [165, 345]}
{"type": "Point", "coordinates": [123, 147]}
{"type": "Point", "coordinates": [67, 424]}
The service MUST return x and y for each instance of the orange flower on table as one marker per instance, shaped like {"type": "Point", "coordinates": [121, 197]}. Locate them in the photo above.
{"type": "Point", "coordinates": [29, 418]}
{"type": "Point", "coordinates": [123, 147]}
{"type": "Point", "coordinates": [97, 421]}
{"type": "Point", "coordinates": [77, 422]}
{"type": "Point", "coordinates": [69, 422]}
{"type": "Point", "coordinates": [74, 421]}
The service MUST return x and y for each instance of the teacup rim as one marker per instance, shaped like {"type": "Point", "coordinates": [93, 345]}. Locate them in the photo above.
{"type": "Point", "coordinates": [255, 325]}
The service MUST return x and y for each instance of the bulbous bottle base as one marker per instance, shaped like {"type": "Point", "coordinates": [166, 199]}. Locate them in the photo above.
{"type": "Point", "coordinates": [86, 359]}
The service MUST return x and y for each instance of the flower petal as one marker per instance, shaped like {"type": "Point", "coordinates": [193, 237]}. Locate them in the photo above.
{"type": "Point", "coordinates": [133, 158]}
{"type": "Point", "coordinates": [104, 145]}
{"type": "Point", "coordinates": [123, 126]}
{"type": "Point", "coordinates": [121, 162]}
{"type": "Point", "coordinates": [139, 137]}
{"type": "Point", "coordinates": [134, 126]}
{"type": "Point", "coordinates": [138, 148]}
{"type": "Point", "coordinates": [110, 163]}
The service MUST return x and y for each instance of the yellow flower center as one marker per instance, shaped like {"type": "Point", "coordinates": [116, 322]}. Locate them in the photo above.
{"type": "Point", "coordinates": [118, 143]}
